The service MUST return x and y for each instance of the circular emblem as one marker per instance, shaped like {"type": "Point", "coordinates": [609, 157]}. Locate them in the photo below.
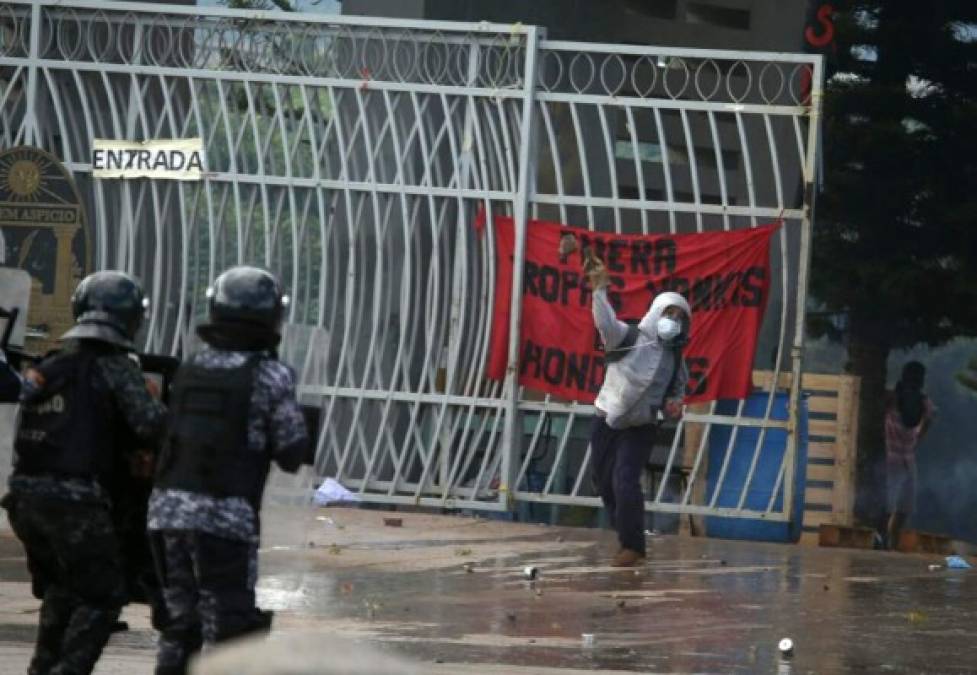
{"type": "Point", "coordinates": [24, 177]}
{"type": "Point", "coordinates": [42, 220]}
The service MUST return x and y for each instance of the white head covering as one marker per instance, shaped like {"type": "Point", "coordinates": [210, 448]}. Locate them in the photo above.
{"type": "Point", "coordinates": [649, 324]}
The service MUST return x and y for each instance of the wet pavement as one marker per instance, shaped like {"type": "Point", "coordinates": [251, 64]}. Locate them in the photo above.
{"type": "Point", "coordinates": [451, 592]}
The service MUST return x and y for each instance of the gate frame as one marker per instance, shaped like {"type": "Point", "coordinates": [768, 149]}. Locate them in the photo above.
{"type": "Point", "coordinates": [522, 198]}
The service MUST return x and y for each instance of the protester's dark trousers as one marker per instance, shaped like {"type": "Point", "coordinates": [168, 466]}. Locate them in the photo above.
{"type": "Point", "coordinates": [619, 457]}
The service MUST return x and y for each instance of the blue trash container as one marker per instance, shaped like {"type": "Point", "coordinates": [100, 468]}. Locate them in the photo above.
{"type": "Point", "coordinates": [765, 474]}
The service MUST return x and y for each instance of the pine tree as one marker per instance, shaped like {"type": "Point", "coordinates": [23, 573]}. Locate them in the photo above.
{"type": "Point", "coordinates": [896, 230]}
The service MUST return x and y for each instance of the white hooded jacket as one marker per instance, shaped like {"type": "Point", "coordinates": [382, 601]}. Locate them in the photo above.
{"type": "Point", "coordinates": [636, 386]}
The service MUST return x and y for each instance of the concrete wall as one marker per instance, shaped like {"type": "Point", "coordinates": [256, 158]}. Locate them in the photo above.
{"type": "Point", "coordinates": [403, 9]}
{"type": "Point", "coordinates": [714, 24]}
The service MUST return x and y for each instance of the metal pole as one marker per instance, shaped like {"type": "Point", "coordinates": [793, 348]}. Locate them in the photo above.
{"type": "Point", "coordinates": [464, 167]}
{"type": "Point", "coordinates": [803, 271]}
{"type": "Point", "coordinates": [30, 114]}
{"type": "Point", "coordinates": [525, 187]}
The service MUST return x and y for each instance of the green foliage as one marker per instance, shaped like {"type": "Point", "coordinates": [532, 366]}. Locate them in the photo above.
{"type": "Point", "coordinates": [283, 5]}
{"type": "Point", "coordinates": [896, 235]}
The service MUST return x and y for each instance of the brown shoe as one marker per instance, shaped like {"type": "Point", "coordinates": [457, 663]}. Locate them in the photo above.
{"type": "Point", "coordinates": [627, 558]}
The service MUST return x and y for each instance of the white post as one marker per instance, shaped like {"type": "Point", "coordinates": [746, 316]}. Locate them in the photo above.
{"type": "Point", "coordinates": [30, 113]}
{"type": "Point", "coordinates": [525, 188]}
{"type": "Point", "coordinates": [803, 272]}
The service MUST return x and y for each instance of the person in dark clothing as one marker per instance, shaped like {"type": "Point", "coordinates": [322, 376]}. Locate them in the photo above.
{"type": "Point", "coordinates": [645, 375]}
{"type": "Point", "coordinates": [130, 503]}
{"type": "Point", "coordinates": [76, 406]}
{"type": "Point", "coordinates": [233, 412]}
{"type": "Point", "coordinates": [908, 415]}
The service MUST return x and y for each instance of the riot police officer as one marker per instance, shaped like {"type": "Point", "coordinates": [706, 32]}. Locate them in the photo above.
{"type": "Point", "coordinates": [76, 406]}
{"type": "Point", "coordinates": [233, 410]}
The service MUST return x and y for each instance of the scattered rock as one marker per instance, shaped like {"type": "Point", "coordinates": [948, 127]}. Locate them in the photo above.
{"type": "Point", "coordinates": [916, 617]}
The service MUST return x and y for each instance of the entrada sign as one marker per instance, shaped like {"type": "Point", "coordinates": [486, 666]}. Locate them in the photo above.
{"type": "Point", "coordinates": [177, 159]}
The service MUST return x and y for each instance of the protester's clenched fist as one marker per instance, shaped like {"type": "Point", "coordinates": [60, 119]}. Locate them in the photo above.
{"type": "Point", "coordinates": [595, 270]}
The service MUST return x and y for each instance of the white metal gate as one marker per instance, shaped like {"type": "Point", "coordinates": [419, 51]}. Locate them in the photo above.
{"type": "Point", "coordinates": [352, 156]}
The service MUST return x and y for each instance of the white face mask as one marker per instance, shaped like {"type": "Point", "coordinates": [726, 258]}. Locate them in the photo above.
{"type": "Point", "coordinates": [668, 329]}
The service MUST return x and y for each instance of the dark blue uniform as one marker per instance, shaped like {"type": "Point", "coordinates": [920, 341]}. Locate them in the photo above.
{"type": "Point", "coordinates": [67, 454]}
{"type": "Point", "coordinates": [204, 511]}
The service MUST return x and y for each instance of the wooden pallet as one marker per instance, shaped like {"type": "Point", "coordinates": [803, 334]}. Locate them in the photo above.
{"type": "Point", "coordinates": [914, 541]}
{"type": "Point", "coordinates": [832, 401]}
{"type": "Point", "coordinates": [842, 536]}
{"type": "Point", "coordinates": [829, 497]}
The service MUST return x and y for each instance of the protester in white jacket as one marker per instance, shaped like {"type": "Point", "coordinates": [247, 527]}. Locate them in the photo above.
{"type": "Point", "coordinates": [645, 375]}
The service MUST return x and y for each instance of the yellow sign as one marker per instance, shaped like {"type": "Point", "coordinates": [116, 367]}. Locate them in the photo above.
{"type": "Point", "coordinates": [43, 227]}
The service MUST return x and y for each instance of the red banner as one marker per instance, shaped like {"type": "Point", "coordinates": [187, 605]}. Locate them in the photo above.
{"type": "Point", "coordinates": [724, 275]}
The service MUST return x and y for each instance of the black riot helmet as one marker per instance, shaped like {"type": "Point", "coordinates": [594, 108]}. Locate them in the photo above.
{"type": "Point", "coordinates": [249, 297]}
{"type": "Point", "coordinates": [108, 306]}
